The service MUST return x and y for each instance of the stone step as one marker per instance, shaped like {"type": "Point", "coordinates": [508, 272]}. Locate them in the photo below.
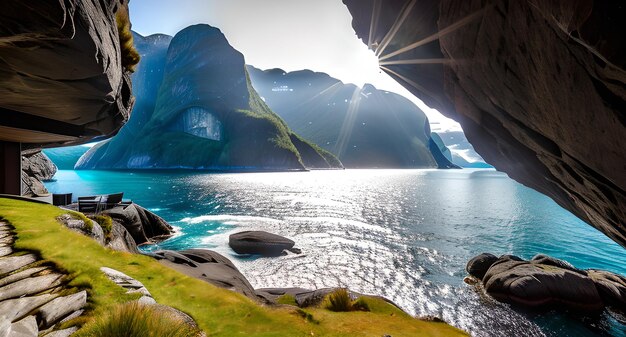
{"type": "Point", "coordinates": [30, 286]}
{"type": "Point", "coordinates": [20, 275]}
{"type": "Point", "coordinates": [16, 309]}
{"type": "Point", "coordinates": [27, 327]}
{"type": "Point", "coordinates": [60, 307]}
{"type": "Point", "coordinates": [62, 333]}
{"type": "Point", "coordinates": [4, 251]}
{"type": "Point", "coordinates": [8, 241]}
{"type": "Point", "coordinates": [13, 263]}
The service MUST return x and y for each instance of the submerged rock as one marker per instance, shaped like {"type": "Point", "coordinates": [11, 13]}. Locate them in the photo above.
{"type": "Point", "coordinates": [259, 242]}
{"type": "Point", "coordinates": [545, 281]}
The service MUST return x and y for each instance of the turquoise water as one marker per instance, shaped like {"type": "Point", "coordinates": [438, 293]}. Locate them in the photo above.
{"type": "Point", "coordinates": [402, 234]}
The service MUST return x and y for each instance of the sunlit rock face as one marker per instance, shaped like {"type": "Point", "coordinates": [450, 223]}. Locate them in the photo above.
{"type": "Point", "coordinates": [364, 127]}
{"type": "Point", "coordinates": [538, 86]}
{"type": "Point", "coordinates": [196, 109]}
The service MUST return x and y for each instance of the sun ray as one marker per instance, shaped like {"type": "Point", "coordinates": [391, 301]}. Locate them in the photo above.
{"type": "Point", "coordinates": [348, 123]}
{"type": "Point", "coordinates": [437, 35]}
{"type": "Point", "coordinates": [395, 27]}
{"type": "Point", "coordinates": [374, 22]}
{"type": "Point", "coordinates": [417, 61]}
{"type": "Point", "coordinates": [409, 81]}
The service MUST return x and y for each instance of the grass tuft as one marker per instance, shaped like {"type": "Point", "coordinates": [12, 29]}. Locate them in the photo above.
{"type": "Point", "coordinates": [106, 223]}
{"type": "Point", "coordinates": [340, 301]}
{"type": "Point", "coordinates": [80, 216]}
{"type": "Point", "coordinates": [136, 320]}
{"type": "Point", "coordinates": [287, 299]}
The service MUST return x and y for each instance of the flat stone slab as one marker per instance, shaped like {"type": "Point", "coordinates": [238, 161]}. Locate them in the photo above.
{"type": "Point", "coordinates": [8, 241]}
{"type": "Point", "coordinates": [30, 286]}
{"type": "Point", "coordinates": [4, 251]}
{"type": "Point", "coordinates": [125, 281]}
{"type": "Point", "coordinates": [21, 275]}
{"type": "Point", "coordinates": [62, 333]}
{"type": "Point", "coordinates": [17, 308]}
{"type": "Point", "coordinates": [55, 310]}
{"type": "Point", "coordinates": [13, 263]}
{"type": "Point", "coordinates": [27, 327]}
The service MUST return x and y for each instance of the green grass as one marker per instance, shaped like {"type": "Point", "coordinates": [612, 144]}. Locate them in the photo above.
{"type": "Point", "coordinates": [339, 300]}
{"type": "Point", "coordinates": [135, 320]}
{"type": "Point", "coordinates": [219, 312]}
{"type": "Point", "coordinates": [287, 299]}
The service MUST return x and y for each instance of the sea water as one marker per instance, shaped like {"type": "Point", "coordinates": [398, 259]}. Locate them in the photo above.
{"type": "Point", "coordinates": [402, 234]}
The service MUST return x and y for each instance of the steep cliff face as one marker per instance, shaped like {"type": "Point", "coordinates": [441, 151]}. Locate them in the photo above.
{"type": "Point", "coordinates": [538, 86]}
{"type": "Point", "coordinates": [61, 75]}
{"type": "Point", "coordinates": [196, 109]}
{"type": "Point", "coordinates": [36, 168]}
{"type": "Point", "coordinates": [364, 127]}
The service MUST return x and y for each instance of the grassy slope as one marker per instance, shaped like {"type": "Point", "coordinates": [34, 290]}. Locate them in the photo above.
{"type": "Point", "coordinates": [218, 311]}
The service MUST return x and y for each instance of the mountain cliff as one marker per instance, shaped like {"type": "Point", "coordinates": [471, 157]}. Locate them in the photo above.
{"type": "Point", "coordinates": [196, 109]}
{"type": "Point", "coordinates": [364, 127]}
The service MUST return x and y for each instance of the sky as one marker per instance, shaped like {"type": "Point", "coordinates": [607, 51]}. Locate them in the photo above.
{"type": "Point", "coordinates": [287, 34]}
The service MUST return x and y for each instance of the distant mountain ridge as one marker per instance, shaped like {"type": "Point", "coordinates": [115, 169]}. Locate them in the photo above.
{"type": "Point", "coordinates": [196, 109]}
{"type": "Point", "coordinates": [364, 127]}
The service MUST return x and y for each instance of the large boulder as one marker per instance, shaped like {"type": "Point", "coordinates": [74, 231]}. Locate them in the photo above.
{"type": "Point", "coordinates": [545, 281]}
{"type": "Point", "coordinates": [143, 225]}
{"type": "Point", "coordinates": [259, 242]}
{"type": "Point", "coordinates": [536, 285]}
{"type": "Point", "coordinates": [538, 86]}
{"type": "Point", "coordinates": [208, 266]}
{"type": "Point", "coordinates": [479, 265]}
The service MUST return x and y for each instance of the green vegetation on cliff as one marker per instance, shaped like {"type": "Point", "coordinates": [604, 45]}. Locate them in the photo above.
{"type": "Point", "coordinates": [219, 312]}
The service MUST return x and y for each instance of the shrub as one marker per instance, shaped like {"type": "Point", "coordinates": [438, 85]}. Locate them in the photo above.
{"type": "Point", "coordinates": [340, 300]}
{"type": "Point", "coordinates": [287, 299]}
{"type": "Point", "coordinates": [130, 56]}
{"type": "Point", "coordinates": [133, 319]}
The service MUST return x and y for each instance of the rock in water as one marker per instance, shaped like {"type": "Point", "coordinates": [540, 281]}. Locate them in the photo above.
{"type": "Point", "coordinates": [479, 265]}
{"type": "Point", "coordinates": [545, 281]}
{"type": "Point", "coordinates": [259, 242]}
{"type": "Point", "coordinates": [196, 109]}
{"type": "Point", "coordinates": [538, 86]}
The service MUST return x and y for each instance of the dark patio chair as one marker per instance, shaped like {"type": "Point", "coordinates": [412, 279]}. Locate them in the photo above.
{"type": "Point", "coordinates": [110, 200]}
{"type": "Point", "coordinates": [89, 204]}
